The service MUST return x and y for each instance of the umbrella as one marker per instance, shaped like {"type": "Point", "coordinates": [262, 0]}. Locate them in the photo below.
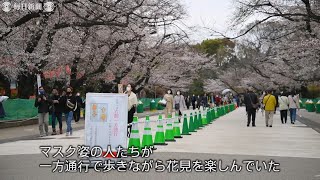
{"type": "Point", "coordinates": [226, 91]}
{"type": "Point", "coordinates": [3, 98]}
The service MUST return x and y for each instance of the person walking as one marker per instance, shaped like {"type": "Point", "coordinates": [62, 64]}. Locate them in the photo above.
{"type": "Point", "coordinates": [199, 102]}
{"type": "Point", "coordinates": [205, 101]}
{"type": "Point", "coordinates": [179, 103]}
{"type": "Point", "coordinates": [76, 114]}
{"type": "Point", "coordinates": [188, 101]}
{"type": "Point", "coordinates": [251, 103]}
{"type": "Point", "coordinates": [270, 103]}
{"type": "Point", "coordinates": [132, 106]}
{"type": "Point", "coordinates": [70, 104]}
{"type": "Point", "coordinates": [261, 103]}
{"type": "Point", "coordinates": [2, 111]}
{"type": "Point", "coordinates": [194, 101]}
{"type": "Point", "coordinates": [283, 107]}
{"type": "Point", "coordinates": [212, 100]}
{"type": "Point", "coordinates": [277, 100]}
{"type": "Point", "coordinates": [57, 109]}
{"type": "Point", "coordinates": [293, 106]}
{"type": "Point", "coordinates": [42, 102]}
{"type": "Point", "coordinates": [169, 105]}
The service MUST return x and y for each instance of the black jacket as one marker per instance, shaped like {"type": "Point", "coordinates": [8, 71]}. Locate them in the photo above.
{"type": "Point", "coordinates": [204, 100]}
{"type": "Point", "coordinates": [58, 107]}
{"type": "Point", "coordinates": [65, 99]}
{"type": "Point", "coordinates": [249, 99]}
{"type": "Point", "coordinates": [194, 99]}
{"type": "Point", "coordinates": [43, 105]}
{"type": "Point", "coordinates": [79, 102]}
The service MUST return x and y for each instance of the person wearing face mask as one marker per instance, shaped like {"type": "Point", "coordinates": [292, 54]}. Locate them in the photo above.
{"type": "Point", "coordinates": [132, 104]}
{"type": "Point", "coordinates": [188, 101]}
{"type": "Point", "coordinates": [169, 106]}
{"type": "Point", "coordinates": [179, 103]}
{"type": "Point", "coordinates": [76, 114]}
{"type": "Point", "coordinates": [70, 105]}
{"type": "Point", "coordinates": [194, 100]}
{"type": "Point", "coordinates": [42, 103]}
{"type": "Point", "coordinates": [56, 111]}
{"type": "Point", "coordinates": [199, 100]}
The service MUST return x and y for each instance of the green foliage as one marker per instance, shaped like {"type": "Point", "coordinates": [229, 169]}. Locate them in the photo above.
{"type": "Point", "coordinates": [196, 87]}
{"type": "Point", "coordinates": [215, 46]}
{"type": "Point", "coordinates": [221, 49]}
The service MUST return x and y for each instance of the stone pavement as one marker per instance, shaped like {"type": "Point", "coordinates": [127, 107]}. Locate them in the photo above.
{"type": "Point", "coordinates": [295, 147]}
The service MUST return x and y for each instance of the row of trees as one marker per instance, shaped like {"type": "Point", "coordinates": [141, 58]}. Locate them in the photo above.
{"type": "Point", "coordinates": [142, 42]}
{"type": "Point", "coordinates": [280, 49]}
{"type": "Point", "coordinates": [103, 42]}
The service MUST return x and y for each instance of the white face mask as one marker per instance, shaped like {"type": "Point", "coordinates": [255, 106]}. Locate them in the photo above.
{"type": "Point", "coordinates": [178, 93]}
{"type": "Point", "coordinates": [128, 88]}
{"type": "Point", "coordinates": [169, 92]}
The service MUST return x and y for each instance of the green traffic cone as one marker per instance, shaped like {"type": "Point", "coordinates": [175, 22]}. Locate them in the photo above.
{"type": "Point", "coordinates": [159, 138]}
{"type": "Point", "coordinates": [204, 119]}
{"type": "Point", "coordinates": [192, 124]}
{"type": "Point", "coordinates": [176, 127]}
{"type": "Point", "coordinates": [196, 122]}
{"type": "Point", "coordinates": [147, 134]}
{"type": "Point", "coordinates": [208, 116]}
{"type": "Point", "coordinates": [185, 129]}
{"type": "Point", "coordinates": [200, 120]}
{"type": "Point", "coordinates": [134, 140]}
{"type": "Point", "coordinates": [169, 136]}
{"type": "Point", "coordinates": [213, 114]}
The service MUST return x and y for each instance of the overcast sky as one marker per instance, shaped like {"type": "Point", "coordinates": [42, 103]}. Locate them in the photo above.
{"type": "Point", "coordinates": [209, 13]}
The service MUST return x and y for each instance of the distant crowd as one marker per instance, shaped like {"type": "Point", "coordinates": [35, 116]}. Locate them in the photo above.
{"type": "Point", "coordinates": [268, 102]}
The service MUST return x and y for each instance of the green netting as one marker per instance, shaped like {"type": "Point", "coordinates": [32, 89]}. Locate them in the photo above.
{"type": "Point", "coordinates": [305, 99]}
{"type": "Point", "coordinates": [146, 101]}
{"type": "Point", "coordinates": [18, 109]}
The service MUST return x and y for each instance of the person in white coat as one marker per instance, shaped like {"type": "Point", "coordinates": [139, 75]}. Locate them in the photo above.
{"type": "Point", "coordinates": [283, 107]}
{"type": "Point", "coordinates": [293, 106]}
{"type": "Point", "coordinates": [179, 103]}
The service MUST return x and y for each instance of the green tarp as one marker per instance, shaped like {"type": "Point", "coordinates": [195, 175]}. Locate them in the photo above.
{"type": "Point", "coordinates": [18, 109]}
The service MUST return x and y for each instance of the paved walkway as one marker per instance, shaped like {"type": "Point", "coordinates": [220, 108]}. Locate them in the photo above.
{"type": "Point", "coordinates": [227, 135]}
{"type": "Point", "coordinates": [295, 147]}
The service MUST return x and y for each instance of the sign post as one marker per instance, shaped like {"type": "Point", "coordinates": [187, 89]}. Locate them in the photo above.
{"type": "Point", "coordinates": [38, 80]}
{"type": "Point", "coordinates": [106, 121]}
{"type": "Point", "coordinates": [120, 88]}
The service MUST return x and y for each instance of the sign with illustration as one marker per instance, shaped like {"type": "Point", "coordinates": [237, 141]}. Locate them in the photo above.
{"type": "Point", "coordinates": [106, 120]}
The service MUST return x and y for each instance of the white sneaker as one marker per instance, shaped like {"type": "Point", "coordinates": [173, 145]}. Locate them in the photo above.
{"type": "Point", "coordinates": [67, 134]}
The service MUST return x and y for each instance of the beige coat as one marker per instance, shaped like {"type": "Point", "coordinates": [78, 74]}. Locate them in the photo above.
{"type": "Point", "coordinates": [169, 106]}
{"type": "Point", "coordinates": [132, 100]}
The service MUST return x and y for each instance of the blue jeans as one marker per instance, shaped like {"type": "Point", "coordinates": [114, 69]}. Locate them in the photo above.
{"type": "Point", "coordinates": [69, 117]}
{"type": "Point", "coordinates": [293, 114]}
{"type": "Point", "coordinates": [56, 115]}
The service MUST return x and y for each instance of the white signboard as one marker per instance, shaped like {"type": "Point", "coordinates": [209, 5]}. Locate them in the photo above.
{"type": "Point", "coordinates": [106, 120]}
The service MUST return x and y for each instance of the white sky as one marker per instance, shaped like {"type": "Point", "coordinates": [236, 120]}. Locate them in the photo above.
{"type": "Point", "coordinates": [209, 13]}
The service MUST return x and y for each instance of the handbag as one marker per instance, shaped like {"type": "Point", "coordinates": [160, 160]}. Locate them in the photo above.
{"type": "Point", "coordinates": [71, 105]}
{"type": "Point", "coordinates": [177, 105]}
{"type": "Point", "coordinates": [255, 106]}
